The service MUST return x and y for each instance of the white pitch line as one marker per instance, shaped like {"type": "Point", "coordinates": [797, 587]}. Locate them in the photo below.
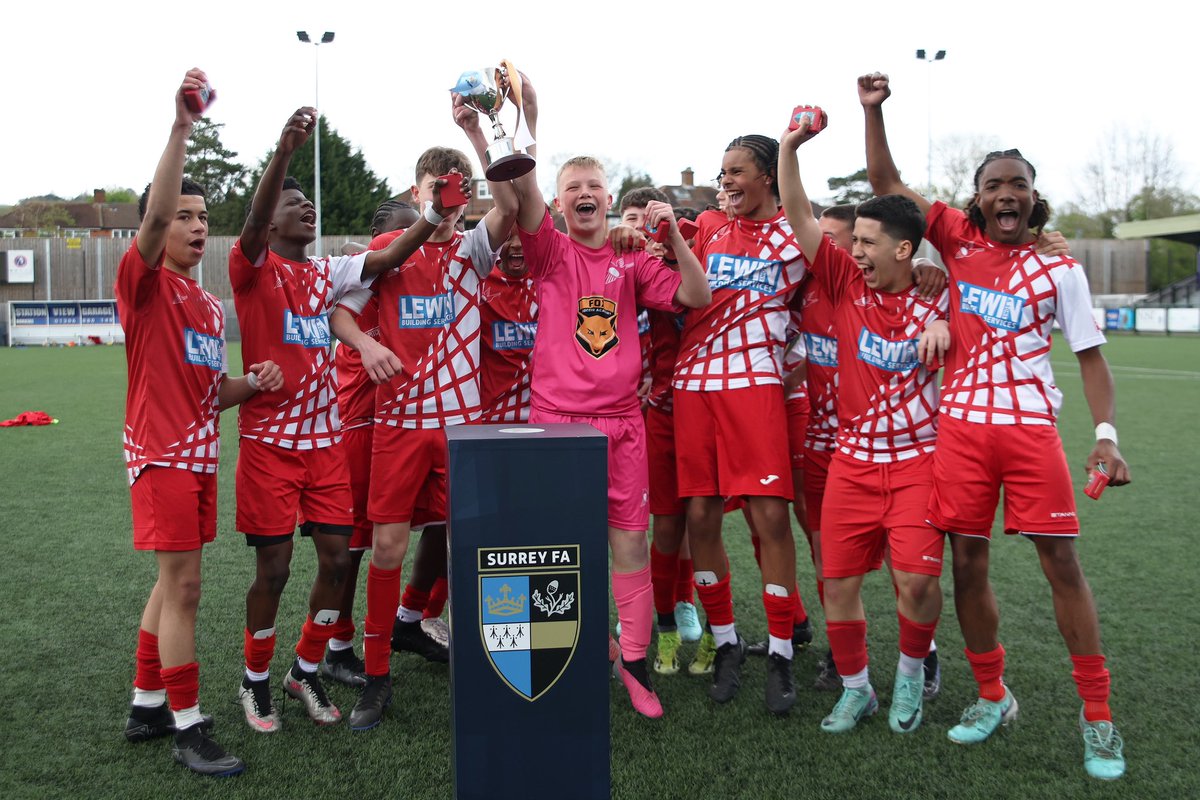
{"type": "Point", "coordinates": [1139, 372]}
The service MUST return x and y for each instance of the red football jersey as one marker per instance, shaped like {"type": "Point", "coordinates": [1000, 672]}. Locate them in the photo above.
{"type": "Point", "coordinates": [887, 399]}
{"type": "Point", "coordinates": [509, 308]}
{"type": "Point", "coordinates": [753, 268]}
{"type": "Point", "coordinates": [283, 309]}
{"type": "Point", "coordinates": [355, 389]}
{"type": "Point", "coordinates": [429, 317]}
{"type": "Point", "coordinates": [821, 354]}
{"type": "Point", "coordinates": [665, 328]}
{"type": "Point", "coordinates": [1004, 301]}
{"type": "Point", "coordinates": [175, 352]}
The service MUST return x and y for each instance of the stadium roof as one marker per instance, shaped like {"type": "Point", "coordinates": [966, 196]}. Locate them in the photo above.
{"type": "Point", "coordinates": [1180, 229]}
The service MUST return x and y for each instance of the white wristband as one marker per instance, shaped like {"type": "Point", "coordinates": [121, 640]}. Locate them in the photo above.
{"type": "Point", "coordinates": [1105, 430]}
{"type": "Point", "coordinates": [431, 216]}
{"type": "Point", "coordinates": [252, 381]}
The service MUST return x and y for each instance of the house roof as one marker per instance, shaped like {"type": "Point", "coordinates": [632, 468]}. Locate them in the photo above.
{"type": "Point", "coordinates": [98, 216]}
{"type": "Point", "coordinates": [1185, 228]}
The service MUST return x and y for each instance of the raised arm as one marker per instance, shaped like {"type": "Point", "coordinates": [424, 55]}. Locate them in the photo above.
{"type": "Point", "coordinates": [262, 208]}
{"type": "Point", "coordinates": [693, 291]}
{"type": "Point", "coordinates": [163, 202]}
{"type": "Point", "coordinates": [873, 89]}
{"type": "Point", "coordinates": [796, 205]}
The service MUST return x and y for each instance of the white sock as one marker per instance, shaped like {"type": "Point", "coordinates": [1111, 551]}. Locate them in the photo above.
{"type": "Point", "coordinates": [149, 697]}
{"type": "Point", "coordinates": [338, 645]}
{"type": "Point", "coordinates": [911, 665]}
{"type": "Point", "coordinates": [932, 646]}
{"type": "Point", "coordinates": [257, 676]}
{"type": "Point", "coordinates": [306, 666]}
{"type": "Point", "coordinates": [187, 717]}
{"type": "Point", "coordinates": [779, 646]}
{"type": "Point", "coordinates": [725, 634]}
{"type": "Point", "coordinates": [407, 614]}
{"type": "Point", "coordinates": [859, 680]}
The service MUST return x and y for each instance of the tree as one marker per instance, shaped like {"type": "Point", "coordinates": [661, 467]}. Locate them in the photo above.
{"type": "Point", "coordinates": [112, 194]}
{"type": "Point", "coordinates": [350, 191]}
{"type": "Point", "coordinates": [956, 158]}
{"type": "Point", "coordinates": [1133, 176]}
{"type": "Point", "coordinates": [633, 179]}
{"type": "Point", "coordinates": [42, 216]}
{"type": "Point", "coordinates": [851, 189]}
{"type": "Point", "coordinates": [212, 165]}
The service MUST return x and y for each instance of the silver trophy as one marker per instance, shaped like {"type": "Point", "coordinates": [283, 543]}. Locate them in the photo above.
{"type": "Point", "coordinates": [484, 91]}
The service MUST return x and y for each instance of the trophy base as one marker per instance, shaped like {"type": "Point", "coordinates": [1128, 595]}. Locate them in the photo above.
{"type": "Point", "coordinates": [504, 162]}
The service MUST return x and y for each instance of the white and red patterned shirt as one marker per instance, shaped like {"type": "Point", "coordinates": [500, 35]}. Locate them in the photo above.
{"type": "Point", "coordinates": [753, 268]}
{"type": "Point", "coordinates": [509, 307]}
{"type": "Point", "coordinates": [283, 309]}
{"type": "Point", "coordinates": [175, 351]}
{"type": "Point", "coordinates": [821, 379]}
{"type": "Point", "coordinates": [429, 317]}
{"type": "Point", "coordinates": [355, 389]}
{"type": "Point", "coordinates": [1004, 301]}
{"type": "Point", "coordinates": [887, 399]}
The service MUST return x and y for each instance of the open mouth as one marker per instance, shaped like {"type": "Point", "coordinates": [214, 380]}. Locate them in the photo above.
{"type": "Point", "coordinates": [309, 218]}
{"type": "Point", "coordinates": [586, 210]}
{"type": "Point", "coordinates": [734, 197]}
{"type": "Point", "coordinates": [197, 246]}
{"type": "Point", "coordinates": [1007, 220]}
{"type": "Point", "coordinates": [868, 271]}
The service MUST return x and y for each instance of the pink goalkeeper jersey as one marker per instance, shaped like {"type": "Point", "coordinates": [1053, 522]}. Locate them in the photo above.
{"type": "Point", "coordinates": [887, 399]}
{"type": "Point", "coordinates": [1004, 301]}
{"type": "Point", "coordinates": [587, 357]}
{"type": "Point", "coordinates": [175, 351]}
{"type": "Point", "coordinates": [283, 309]}
{"type": "Point", "coordinates": [753, 268]}
{"type": "Point", "coordinates": [429, 317]}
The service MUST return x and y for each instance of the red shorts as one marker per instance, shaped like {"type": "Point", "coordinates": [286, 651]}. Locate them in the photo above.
{"type": "Point", "coordinates": [816, 471]}
{"type": "Point", "coordinates": [973, 460]}
{"type": "Point", "coordinates": [357, 444]}
{"type": "Point", "coordinates": [628, 478]}
{"type": "Point", "coordinates": [732, 443]}
{"type": "Point", "coordinates": [173, 509]}
{"type": "Point", "coordinates": [408, 476]}
{"type": "Point", "coordinates": [278, 487]}
{"type": "Point", "coordinates": [660, 446]}
{"type": "Point", "coordinates": [880, 507]}
{"type": "Point", "coordinates": [797, 423]}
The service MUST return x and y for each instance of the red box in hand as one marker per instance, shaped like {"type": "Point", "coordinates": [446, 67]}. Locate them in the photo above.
{"type": "Point", "coordinates": [451, 194]}
{"type": "Point", "coordinates": [816, 118]}
{"type": "Point", "coordinates": [1097, 482]}
{"type": "Point", "coordinates": [198, 100]}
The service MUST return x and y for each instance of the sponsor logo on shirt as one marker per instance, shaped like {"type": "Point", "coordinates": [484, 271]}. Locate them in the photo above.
{"type": "Point", "coordinates": [203, 350]}
{"type": "Point", "coordinates": [513, 335]}
{"type": "Point", "coordinates": [742, 272]}
{"type": "Point", "coordinates": [596, 331]}
{"type": "Point", "coordinates": [998, 309]}
{"type": "Point", "coordinates": [879, 352]}
{"type": "Point", "coordinates": [822, 350]}
{"type": "Point", "coordinates": [433, 311]}
{"type": "Point", "coordinates": [305, 331]}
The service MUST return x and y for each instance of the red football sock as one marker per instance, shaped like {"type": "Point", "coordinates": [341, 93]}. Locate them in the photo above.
{"type": "Point", "coordinates": [989, 672]}
{"type": "Point", "coordinates": [259, 652]}
{"type": "Point", "coordinates": [148, 673]}
{"type": "Point", "coordinates": [663, 569]}
{"type": "Point", "coordinates": [383, 598]}
{"type": "Point", "coordinates": [1092, 682]}
{"type": "Point", "coordinates": [313, 638]}
{"type": "Point", "coordinates": [437, 598]}
{"type": "Point", "coordinates": [848, 641]}
{"type": "Point", "coordinates": [343, 629]}
{"type": "Point", "coordinates": [717, 600]}
{"type": "Point", "coordinates": [183, 685]}
{"type": "Point", "coordinates": [915, 636]}
{"type": "Point", "coordinates": [780, 613]}
{"type": "Point", "coordinates": [798, 612]}
{"type": "Point", "coordinates": [685, 587]}
{"type": "Point", "coordinates": [634, 600]}
{"type": "Point", "coordinates": [414, 599]}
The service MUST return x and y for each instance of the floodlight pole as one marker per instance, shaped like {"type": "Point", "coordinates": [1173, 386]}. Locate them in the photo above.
{"type": "Point", "coordinates": [930, 60]}
{"type": "Point", "coordinates": [327, 38]}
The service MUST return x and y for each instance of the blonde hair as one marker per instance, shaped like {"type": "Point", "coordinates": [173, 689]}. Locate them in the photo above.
{"type": "Point", "coordinates": [583, 162]}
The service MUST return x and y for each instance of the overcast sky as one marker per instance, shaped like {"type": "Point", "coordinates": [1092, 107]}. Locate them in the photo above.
{"type": "Point", "coordinates": [660, 86]}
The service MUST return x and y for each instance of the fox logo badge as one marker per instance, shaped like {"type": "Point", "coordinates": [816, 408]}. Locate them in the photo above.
{"type": "Point", "coordinates": [597, 325]}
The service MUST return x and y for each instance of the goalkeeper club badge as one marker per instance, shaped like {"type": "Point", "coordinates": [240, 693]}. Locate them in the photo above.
{"type": "Point", "coordinates": [597, 325]}
{"type": "Point", "coordinates": [529, 613]}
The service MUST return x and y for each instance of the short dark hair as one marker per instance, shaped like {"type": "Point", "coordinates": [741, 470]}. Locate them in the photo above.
{"type": "Point", "coordinates": [899, 216]}
{"type": "Point", "coordinates": [843, 213]}
{"type": "Point", "coordinates": [438, 161]}
{"type": "Point", "coordinates": [385, 210]}
{"type": "Point", "coordinates": [686, 212]}
{"type": "Point", "coordinates": [187, 187]}
{"type": "Point", "coordinates": [291, 183]}
{"type": "Point", "coordinates": [639, 197]}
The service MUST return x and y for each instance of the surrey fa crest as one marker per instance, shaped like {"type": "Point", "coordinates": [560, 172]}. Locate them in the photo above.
{"type": "Point", "coordinates": [529, 613]}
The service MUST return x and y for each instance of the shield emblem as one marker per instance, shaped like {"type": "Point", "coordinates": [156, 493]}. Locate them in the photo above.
{"type": "Point", "coordinates": [529, 623]}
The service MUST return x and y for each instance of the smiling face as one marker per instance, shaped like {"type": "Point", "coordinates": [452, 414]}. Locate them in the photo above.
{"type": "Point", "coordinates": [746, 186]}
{"type": "Point", "coordinates": [187, 234]}
{"type": "Point", "coordinates": [583, 200]}
{"type": "Point", "coordinates": [512, 258]}
{"type": "Point", "coordinates": [886, 263]}
{"type": "Point", "coordinates": [295, 218]}
{"type": "Point", "coordinates": [1006, 196]}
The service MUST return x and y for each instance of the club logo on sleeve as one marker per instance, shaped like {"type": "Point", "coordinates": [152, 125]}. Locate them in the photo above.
{"type": "Point", "coordinates": [596, 331]}
{"type": "Point", "coordinates": [892, 356]}
{"type": "Point", "coordinates": [426, 311]}
{"type": "Point", "coordinates": [822, 350]}
{"type": "Point", "coordinates": [305, 331]}
{"type": "Point", "coordinates": [529, 614]}
{"type": "Point", "coordinates": [203, 350]}
{"type": "Point", "coordinates": [742, 272]}
{"type": "Point", "coordinates": [998, 309]}
{"type": "Point", "coordinates": [513, 335]}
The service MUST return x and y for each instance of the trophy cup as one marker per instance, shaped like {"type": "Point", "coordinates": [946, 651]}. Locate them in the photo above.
{"type": "Point", "coordinates": [484, 91]}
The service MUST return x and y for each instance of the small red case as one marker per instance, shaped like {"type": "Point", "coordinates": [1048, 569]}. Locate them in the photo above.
{"type": "Point", "coordinates": [451, 194]}
{"type": "Point", "coordinates": [1097, 482]}
{"type": "Point", "coordinates": [198, 100]}
{"type": "Point", "coordinates": [816, 118]}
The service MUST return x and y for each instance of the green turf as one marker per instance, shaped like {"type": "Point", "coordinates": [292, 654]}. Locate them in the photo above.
{"type": "Point", "coordinates": [73, 589]}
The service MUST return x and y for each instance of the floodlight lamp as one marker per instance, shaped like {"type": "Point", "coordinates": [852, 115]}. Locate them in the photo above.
{"type": "Point", "coordinates": [303, 36]}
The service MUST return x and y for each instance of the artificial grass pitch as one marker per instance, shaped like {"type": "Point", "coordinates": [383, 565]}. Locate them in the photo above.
{"type": "Point", "coordinates": [73, 590]}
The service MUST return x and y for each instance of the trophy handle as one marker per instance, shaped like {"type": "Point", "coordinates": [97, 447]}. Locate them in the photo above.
{"type": "Point", "coordinates": [514, 88]}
